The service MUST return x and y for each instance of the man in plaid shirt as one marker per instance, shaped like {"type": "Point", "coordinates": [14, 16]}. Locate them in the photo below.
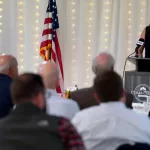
{"type": "Point", "coordinates": [29, 127]}
{"type": "Point", "coordinates": [71, 139]}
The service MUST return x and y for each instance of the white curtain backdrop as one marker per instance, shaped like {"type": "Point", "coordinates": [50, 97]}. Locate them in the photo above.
{"type": "Point", "coordinates": [87, 27]}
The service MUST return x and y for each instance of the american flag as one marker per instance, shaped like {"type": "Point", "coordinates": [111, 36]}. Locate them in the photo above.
{"type": "Point", "coordinates": [50, 48]}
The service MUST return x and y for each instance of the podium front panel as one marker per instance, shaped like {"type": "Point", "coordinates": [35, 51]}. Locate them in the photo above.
{"type": "Point", "coordinates": [138, 84]}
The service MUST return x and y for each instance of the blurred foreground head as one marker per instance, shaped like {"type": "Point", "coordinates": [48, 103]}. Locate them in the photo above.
{"type": "Point", "coordinates": [104, 61]}
{"type": "Point", "coordinates": [8, 65]}
{"type": "Point", "coordinates": [28, 87]}
{"type": "Point", "coordinates": [109, 87]}
{"type": "Point", "coordinates": [50, 74]}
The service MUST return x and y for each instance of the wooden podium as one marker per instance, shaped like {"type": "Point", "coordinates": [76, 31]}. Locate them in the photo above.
{"type": "Point", "coordinates": [137, 82]}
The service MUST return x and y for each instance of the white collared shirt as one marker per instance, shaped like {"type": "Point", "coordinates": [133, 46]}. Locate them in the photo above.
{"type": "Point", "coordinates": [110, 125]}
{"type": "Point", "coordinates": [56, 105]}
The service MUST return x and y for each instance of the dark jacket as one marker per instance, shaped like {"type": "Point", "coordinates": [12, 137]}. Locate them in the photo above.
{"type": "Point", "coordinates": [28, 128]}
{"type": "Point", "coordinates": [5, 98]}
{"type": "Point", "coordinates": [84, 97]}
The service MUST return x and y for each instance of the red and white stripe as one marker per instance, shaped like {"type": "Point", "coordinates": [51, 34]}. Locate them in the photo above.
{"type": "Point", "coordinates": [56, 57]}
{"type": "Point", "coordinates": [54, 50]}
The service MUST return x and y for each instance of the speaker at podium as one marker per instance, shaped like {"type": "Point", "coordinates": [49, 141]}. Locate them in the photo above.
{"type": "Point", "coordinates": [137, 82]}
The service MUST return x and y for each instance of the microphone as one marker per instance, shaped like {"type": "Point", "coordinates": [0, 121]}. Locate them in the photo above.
{"type": "Point", "coordinates": [76, 87]}
{"type": "Point", "coordinates": [139, 43]}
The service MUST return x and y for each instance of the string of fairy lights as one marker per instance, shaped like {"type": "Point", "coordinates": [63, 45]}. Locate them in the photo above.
{"type": "Point", "coordinates": [73, 40]}
{"type": "Point", "coordinates": [1, 12]}
{"type": "Point", "coordinates": [1, 23]}
{"type": "Point", "coordinates": [107, 15]}
{"type": "Point", "coordinates": [36, 34]}
{"type": "Point", "coordinates": [21, 35]}
{"type": "Point", "coordinates": [89, 42]}
{"type": "Point", "coordinates": [129, 48]}
{"type": "Point", "coordinates": [142, 16]}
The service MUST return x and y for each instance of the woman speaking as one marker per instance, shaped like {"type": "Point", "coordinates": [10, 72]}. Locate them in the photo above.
{"type": "Point", "coordinates": [144, 42]}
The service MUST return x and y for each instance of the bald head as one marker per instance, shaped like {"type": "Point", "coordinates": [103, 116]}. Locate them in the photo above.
{"type": "Point", "coordinates": [49, 72]}
{"type": "Point", "coordinates": [103, 61]}
{"type": "Point", "coordinates": [8, 65]}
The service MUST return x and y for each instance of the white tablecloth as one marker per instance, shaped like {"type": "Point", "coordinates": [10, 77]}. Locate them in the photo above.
{"type": "Point", "coordinates": [143, 108]}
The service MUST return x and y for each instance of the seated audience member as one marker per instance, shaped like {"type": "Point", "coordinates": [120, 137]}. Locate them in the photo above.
{"type": "Point", "coordinates": [111, 124]}
{"type": "Point", "coordinates": [8, 71]}
{"type": "Point", "coordinates": [29, 127]}
{"type": "Point", "coordinates": [86, 97]}
{"type": "Point", "coordinates": [56, 105]}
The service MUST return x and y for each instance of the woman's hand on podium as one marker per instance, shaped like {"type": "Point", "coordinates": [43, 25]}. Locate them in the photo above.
{"type": "Point", "coordinates": [140, 55]}
{"type": "Point", "coordinates": [140, 51]}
